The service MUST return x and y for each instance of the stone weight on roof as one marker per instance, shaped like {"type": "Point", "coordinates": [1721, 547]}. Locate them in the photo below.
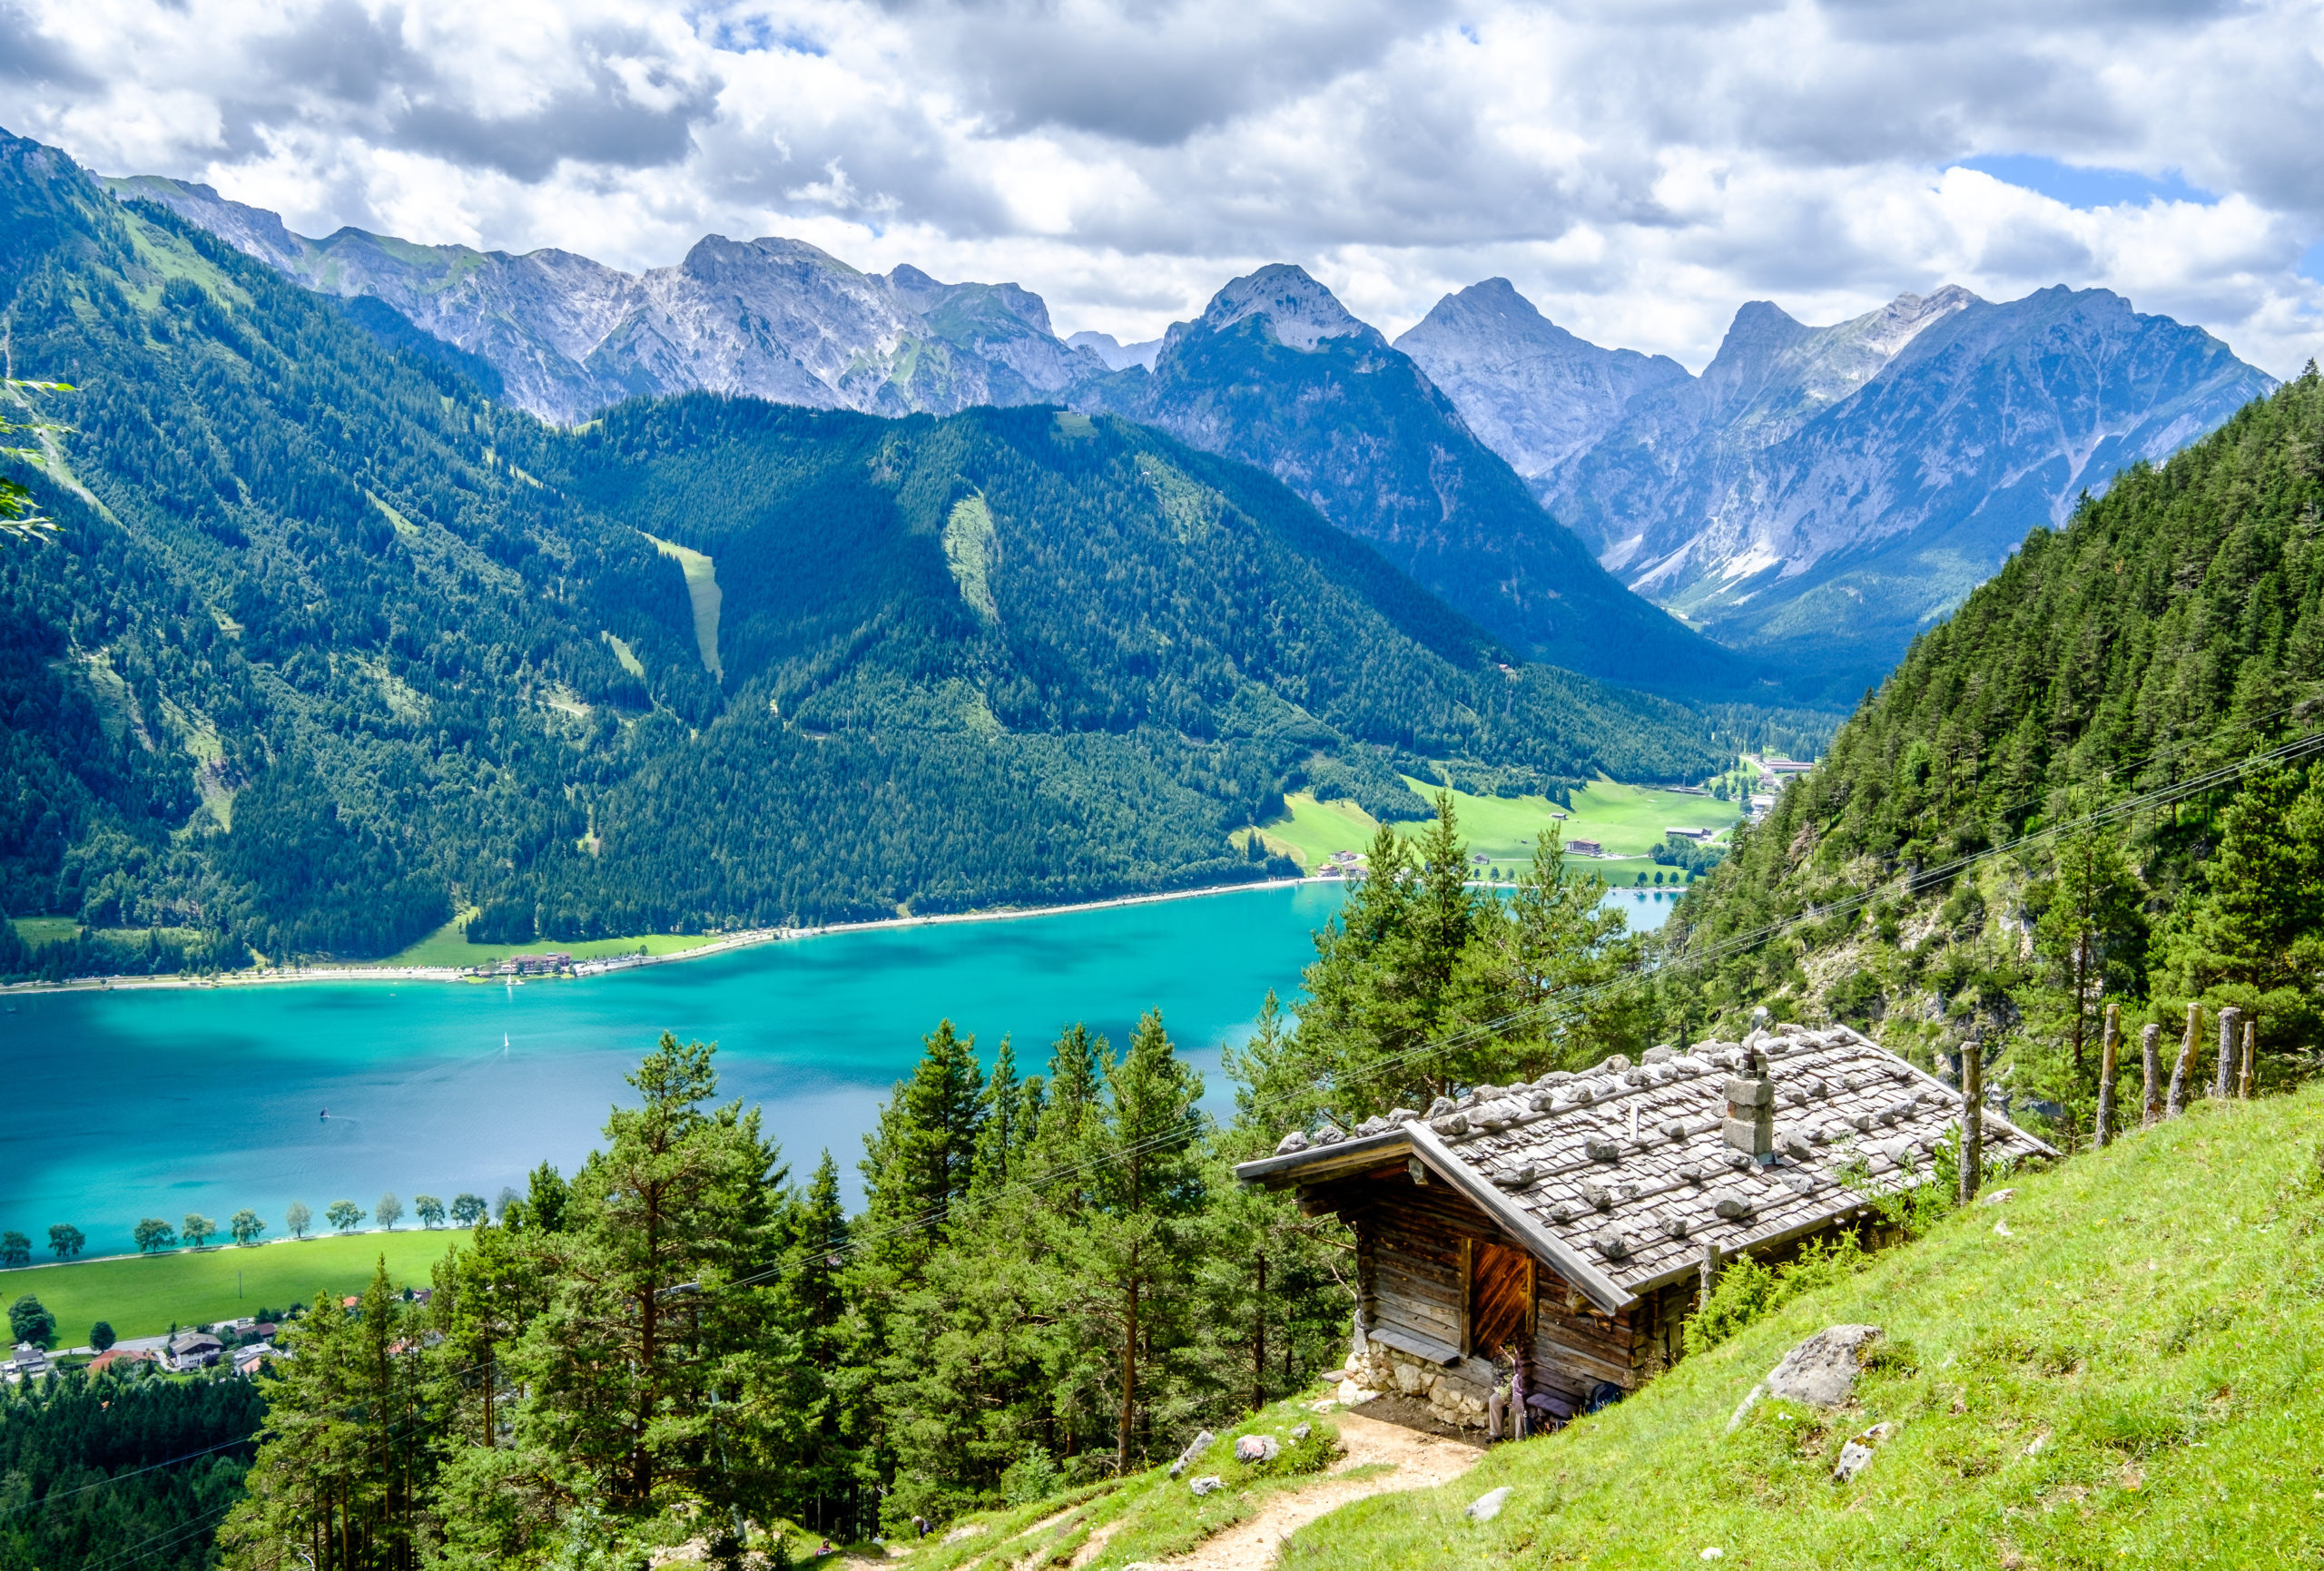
{"type": "Point", "coordinates": [1624, 1170]}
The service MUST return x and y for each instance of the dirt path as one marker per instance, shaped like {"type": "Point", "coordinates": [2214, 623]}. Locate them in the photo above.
{"type": "Point", "coordinates": [1421, 1461]}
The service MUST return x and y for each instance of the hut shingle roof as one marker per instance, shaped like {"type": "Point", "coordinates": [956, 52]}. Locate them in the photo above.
{"type": "Point", "coordinates": [1618, 1176]}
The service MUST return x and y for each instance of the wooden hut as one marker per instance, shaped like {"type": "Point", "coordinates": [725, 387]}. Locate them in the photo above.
{"type": "Point", "coordinates": [1565, 1221]}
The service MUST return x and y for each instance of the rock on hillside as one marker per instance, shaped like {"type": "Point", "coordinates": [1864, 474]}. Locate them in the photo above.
{"type": "Point", "coordinates": [775, 318]}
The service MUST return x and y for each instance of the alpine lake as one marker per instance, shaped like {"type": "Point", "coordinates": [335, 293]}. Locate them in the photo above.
{"type": "Point", "coordinates": [126, 1103]}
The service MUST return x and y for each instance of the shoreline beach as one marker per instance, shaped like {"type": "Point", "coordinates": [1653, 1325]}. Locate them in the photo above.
{"type": "Point", "coordinates": [584, 969]}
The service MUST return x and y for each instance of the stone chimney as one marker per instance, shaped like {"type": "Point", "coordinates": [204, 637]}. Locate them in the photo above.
{"type": "Point", "coordinates": [1751, 1126]}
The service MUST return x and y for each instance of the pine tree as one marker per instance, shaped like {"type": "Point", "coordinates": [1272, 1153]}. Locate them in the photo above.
{"type": "Point", "coordinates": [663, 1353]}
{"type": "Point", "coordinates": [1552, 955]}
{"type": "Point", "coordinates": [1134, 1249]}
{"type": "Point", "coordinates": [342, 1480]}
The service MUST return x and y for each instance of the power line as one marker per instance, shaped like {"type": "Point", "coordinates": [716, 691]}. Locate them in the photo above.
{"type": "Point", "coordinates": [1562, 1005]}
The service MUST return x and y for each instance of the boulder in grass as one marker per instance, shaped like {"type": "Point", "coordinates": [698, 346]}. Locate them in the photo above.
{"type": "Point", "coordinates": [1257, 1448]}
{"type": "Point", "coordinates": [1195, 1448]}
{"type": "Point", "coordinates": [1209, 1483]}
{"type": "Point", "coordinates": [1820, 1372]}
{"type": "Point", "coordinates": [1487, 1506]}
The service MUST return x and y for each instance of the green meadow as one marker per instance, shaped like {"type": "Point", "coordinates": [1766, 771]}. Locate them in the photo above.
{"type": "Point", "coordinates": [144, 1295]}
{"type": "Point", "coordinates": [1626, 819]}
{"type": "Point", "coordinates": [448, 946]}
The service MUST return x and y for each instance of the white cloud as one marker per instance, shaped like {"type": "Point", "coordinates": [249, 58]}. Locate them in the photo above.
{"type": "Point", "coordinates": [1638, 168]}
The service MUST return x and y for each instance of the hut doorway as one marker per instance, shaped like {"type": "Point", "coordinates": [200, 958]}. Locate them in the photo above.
{"type": "Point", "coordinates": [1501, 1298]}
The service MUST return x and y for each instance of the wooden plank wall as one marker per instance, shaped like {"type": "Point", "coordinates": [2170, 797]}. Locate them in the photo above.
{"type": "Point", "coordinates": [1410, 1252]}
{"type": "Point", "coordinates": [1411, 1242]}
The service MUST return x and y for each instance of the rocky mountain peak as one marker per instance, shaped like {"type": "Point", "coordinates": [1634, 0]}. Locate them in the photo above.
{"type": "Point", "coordinates": [1299, 311]}
{"type": "Point", "coordinates": [1533, 391]}
{"type": "Point", "coordinates": [1116, 355]}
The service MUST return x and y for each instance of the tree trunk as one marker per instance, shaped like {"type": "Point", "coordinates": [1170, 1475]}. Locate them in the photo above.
{"type": "Point", "coordinates": [1129, 1384]}
{"type": "Point", "coordinates": [1259, 1340]}
{"type": "Point", "coordinates": [641, 1463]}
{"type": "Point", "coordinates": [2107, 1057]}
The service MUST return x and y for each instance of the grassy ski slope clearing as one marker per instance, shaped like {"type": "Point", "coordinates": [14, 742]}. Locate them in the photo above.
{"type": "Point", "coordinates": [2122, 1365]}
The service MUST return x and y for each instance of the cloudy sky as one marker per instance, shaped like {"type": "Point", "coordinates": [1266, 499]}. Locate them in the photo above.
{"type": "Point", "coordinates": [1638, 167]}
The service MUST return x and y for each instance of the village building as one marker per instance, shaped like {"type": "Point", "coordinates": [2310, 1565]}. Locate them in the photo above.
{"type": "Point", "coordinates": [192, 1350]}
{"type": "Point", "coordinates": [112, 1356]}
{"type": "Point", "coordinates": [1585, 847]}
{"type": "Point", "coordinates": [30, 1360]}
{"type": "Point", "coordinates": [1562, 1226]}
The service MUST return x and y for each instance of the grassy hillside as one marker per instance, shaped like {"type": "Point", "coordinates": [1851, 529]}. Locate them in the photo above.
{"type": "Point", "coordinates": [144, 1295]}
{"type": "Point", "coordinates": [2118, 1365]}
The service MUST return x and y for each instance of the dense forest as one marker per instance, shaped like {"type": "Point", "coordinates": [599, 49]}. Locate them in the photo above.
{"type": "Point", "coordinates": [1053, 1277]}
{"type": "Point", "coordinates": [329, 646]}
{"type": "Point", "coordinates": [82, 1473]}
{"type": "Point", "coordinates": [2090, 787]}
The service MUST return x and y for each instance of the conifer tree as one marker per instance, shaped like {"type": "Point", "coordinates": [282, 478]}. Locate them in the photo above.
{"type": "Point", "coordinates": [1133, 1249]}
{"type": "Point", "coordinates": [658, 1356]}
{"type": "Point", "coordinates": [341, 1481]}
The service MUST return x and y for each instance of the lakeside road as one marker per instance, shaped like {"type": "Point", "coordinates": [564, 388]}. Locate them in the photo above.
{"type": "Point", "coordinates": [725, 943]}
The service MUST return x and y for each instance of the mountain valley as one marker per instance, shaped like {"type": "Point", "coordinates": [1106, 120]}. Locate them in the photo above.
{"type": "Point", "coordinates": [332, 645]}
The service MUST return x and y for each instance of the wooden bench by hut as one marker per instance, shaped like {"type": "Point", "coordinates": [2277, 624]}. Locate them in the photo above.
{"type": "Point", "coordinates": [1565, 1220]}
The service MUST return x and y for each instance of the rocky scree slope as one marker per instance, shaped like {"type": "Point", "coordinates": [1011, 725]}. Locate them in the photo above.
{"type": "Point", "coordinates": [1820, 494]}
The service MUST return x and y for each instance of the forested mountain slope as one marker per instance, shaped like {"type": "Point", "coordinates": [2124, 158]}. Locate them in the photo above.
{"type": "Point", "coordinates": [1820, 494]}
{"type": "Point", "coordinates": [333, 644]}
{"type": "Point", "coordinates": [1276, 373]}
{"type": "Point", "coordinates": [2174, 626]}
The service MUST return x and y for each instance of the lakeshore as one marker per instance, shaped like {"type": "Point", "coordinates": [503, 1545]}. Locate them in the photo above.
{"type": "Point", "coordinates": [1632, 901]}
{"type": "Point", "coordinates": [718, 944]}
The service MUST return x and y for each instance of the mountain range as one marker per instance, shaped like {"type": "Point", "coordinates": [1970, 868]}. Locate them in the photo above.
{"type": "Point", "coordinates": [331, 644]}
{"type": "Point", "coordinates": [1275, 373]}
{"type": "Point", "coordinates": [1811, 502]}
{"type": "Point", "coordinates": [1820, 495]}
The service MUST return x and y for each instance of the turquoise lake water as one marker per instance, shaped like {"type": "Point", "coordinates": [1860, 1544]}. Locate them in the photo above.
{"type": "Point", "coordinates": [123, 1105]}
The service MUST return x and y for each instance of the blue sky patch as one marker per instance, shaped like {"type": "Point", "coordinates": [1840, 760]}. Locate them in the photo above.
{"type": "Point", "coordinates": [2084, 188]}
{"type": "Point", "coordinates": [2312, 265]}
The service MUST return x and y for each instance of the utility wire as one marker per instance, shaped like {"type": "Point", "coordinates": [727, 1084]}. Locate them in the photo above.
{"type": "Point", "coordinates": [1558, 1006]}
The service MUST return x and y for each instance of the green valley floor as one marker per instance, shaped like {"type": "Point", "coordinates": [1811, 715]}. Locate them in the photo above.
{"type": "Point", "coordinates": [1628, 820]}
{"type": "Point", "coordinates": [145, 1295]}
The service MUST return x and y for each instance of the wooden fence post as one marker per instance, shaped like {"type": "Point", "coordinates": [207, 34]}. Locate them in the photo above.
{"type": "Point", "coordinates": [1712, 1260]}
{"type": "Point", "coordinates": [2250, 1059]}
{"type": "Point", "coordinates": [2107, 1055]}
{"type": "Point", "coordinates": [2150, 1040]}
{"type": "Point", "coordinates": [1973, 1118]}
{"type": "Point", "coordinates": [2230, 1039]}
{"type": "Point", "coordinates": [2186, 1065]}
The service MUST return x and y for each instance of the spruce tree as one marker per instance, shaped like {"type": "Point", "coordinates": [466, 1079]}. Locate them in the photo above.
{"type": "Point", "coordinates": [1134, 1249]}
